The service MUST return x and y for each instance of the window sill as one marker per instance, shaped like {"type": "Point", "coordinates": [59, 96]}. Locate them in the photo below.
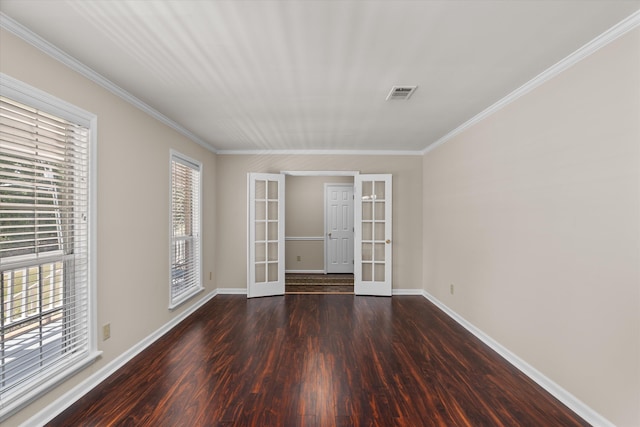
{"type": "Point", "coordinates": [22, 397]}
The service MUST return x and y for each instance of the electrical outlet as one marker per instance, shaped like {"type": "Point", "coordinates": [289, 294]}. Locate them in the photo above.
{"type": "Point", "coordinates": [451, 288]}
{"type": "Point", "coordinates": [106, 332]}
{"type": "Point", "coordinates": [298, 258]}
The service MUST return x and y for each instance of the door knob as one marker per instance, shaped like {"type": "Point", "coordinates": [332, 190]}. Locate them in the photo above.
{"type": "Point", "coordinates": [388, 241]}
{"type": "Point", "coordinates": [329, 234]}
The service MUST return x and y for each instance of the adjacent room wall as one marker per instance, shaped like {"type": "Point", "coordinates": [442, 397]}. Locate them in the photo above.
{"type": "Point", "coordinates": [304, 217]}
{"type": "Point", "coordinates": [534, 216]}
{"type": "Point", "coordinates": [231, 180]}
{"type": "Point", "coordinates": [133, 207]}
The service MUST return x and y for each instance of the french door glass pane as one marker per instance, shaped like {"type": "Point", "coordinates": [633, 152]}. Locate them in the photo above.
{"type": "Point", "coordinates": [273, 231]}
{"type": "Point", "coordinates": [273, 251]}
{"type": "Point", "coordinates": [260, 211]}
{"type": "Point", "coordinates": [260, 273]}
{"type": "Point", "coordinates": [261, 253]}
{"type": "Point", "coordinates": [367, 251]}
{"type": "Point", "coordinates": [273, 271]}
{"type": "Point", "coordinates": [367, 190]}
{"type": "Point", "coordinates": [367, 231]}
{"type": "Point", "coordinates": [379, 211]}
{"type": "Point", "coordinates": [379, 187]}
{"type": "Point", "coordinates": [273, 211]}
{"type": "Point", "coordinates": [273, 190]}
{"type": "Point", "coordinates": [379, 273]}
{"type": "Point", "coordinates": [367, 210]}
{"type": "Point", "coordinates": [379, 252]}
{"type": "Point", "coordinates": [367, 274]}
{"type": "Point", "coordinates": [260, 190]}
{"type": "Point", "coordinates": [261, 232]}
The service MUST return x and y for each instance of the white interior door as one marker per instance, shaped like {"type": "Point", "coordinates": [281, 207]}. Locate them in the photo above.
{"type": "Point", "coordinates": [339, 228]}
{"type": "Point", "coordinates": [265, 261]}
{"type": "Point", "coordinates": [373, 207]}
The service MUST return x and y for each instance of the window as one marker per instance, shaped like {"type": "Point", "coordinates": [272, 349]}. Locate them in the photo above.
{"type": "Point", "coordinates": [186, 278]}
{"type": "Point", "coordinates": [45, 270]}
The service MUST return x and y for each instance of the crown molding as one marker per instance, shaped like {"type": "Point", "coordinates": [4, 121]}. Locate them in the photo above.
{"type": "Point", "coordinates": [38, 42]}
{"type": "Point", "coordinates": [618, 30]}
{"type": "Point", "coordinates": [321, 152]}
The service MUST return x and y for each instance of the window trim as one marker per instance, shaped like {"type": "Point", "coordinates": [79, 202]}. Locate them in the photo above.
{"type": "Point", "coordinates": [190, 162]}
{"type": "Point", "coordinates": [36, 98]}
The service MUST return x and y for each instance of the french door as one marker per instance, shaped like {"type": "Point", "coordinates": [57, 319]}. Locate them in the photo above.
{"type": "Point", "coordinates": [373, 229]}
{"type": "Point", "coordinates": [265, 275]}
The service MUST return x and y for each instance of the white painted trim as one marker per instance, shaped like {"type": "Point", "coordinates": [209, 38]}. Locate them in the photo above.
{"type": "Point", "coordinates": [323, 152]}
{"type": "Point", "coordinates": [306, 271]}
{"type": "Point", "coordinates": [232, 291]}
{"type": "Point", "coordinates": [572, 402]}
{"type": "Point", "coordinates": [593, 46]}
{"type": "Point", "coordinates": [37, 98]}
{"type": "Point", "coordinates": [320, 173]}
{"type": "Point", "coordinates": [38, 42]}
{"type": "Point", "coordinates": [63, 402]}
{"type": "Point", "coordinates": [304, 239]}
{"type": "Point", "coordinates": [401, 292]}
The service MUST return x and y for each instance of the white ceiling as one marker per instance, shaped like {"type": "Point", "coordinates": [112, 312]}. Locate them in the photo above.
{"type": "Point", "coordinates": [314, 75]}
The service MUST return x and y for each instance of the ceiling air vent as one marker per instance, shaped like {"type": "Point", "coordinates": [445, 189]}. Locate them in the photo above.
{"type": "Point", "coordinates": [401, 92]}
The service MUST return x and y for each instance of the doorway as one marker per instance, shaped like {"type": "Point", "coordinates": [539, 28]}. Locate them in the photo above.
{"type": "Point", "coordinates": [372, 233]}
{"type": "Point", "coordinates": [306, 232]}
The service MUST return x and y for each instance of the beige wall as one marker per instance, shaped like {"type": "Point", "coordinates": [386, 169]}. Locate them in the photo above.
{"type": "Point", "coordinates": [533, 214]}
{"type": "Point", "coordinates": [304, 217]}
{"type": "Point", "coordinates": [232, 208]}
{"type": "Point", "coordinates": [133, 206]}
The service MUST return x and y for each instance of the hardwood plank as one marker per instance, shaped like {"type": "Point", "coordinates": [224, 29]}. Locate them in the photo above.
{"type": "Point", "coordinates": [318, 360]}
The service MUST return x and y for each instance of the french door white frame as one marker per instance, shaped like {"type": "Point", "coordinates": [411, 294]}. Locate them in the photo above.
{"type": "Point", "coordinates": [265, 249]}
{"type": "Point", "coordinates": [373, 208]}
{"type": "Point", "coordinates": [276, 287]}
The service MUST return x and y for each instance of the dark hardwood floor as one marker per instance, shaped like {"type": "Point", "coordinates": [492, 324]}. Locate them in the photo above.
{"type": "Point", "coordinates": [318, 360]}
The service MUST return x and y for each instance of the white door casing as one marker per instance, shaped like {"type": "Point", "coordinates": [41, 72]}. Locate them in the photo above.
{"type": "Point", "coordinates": [373, 234]}
{"type": "Point", "coordinates": [265, 258]}
{"type": "Point", "coordinates": [339, 229]}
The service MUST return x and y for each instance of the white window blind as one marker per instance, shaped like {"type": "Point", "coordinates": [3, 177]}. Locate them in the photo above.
{"type": "Point", "coordinates": [185, 229]}
{"type": "Point", "coordinates": [44, 250]}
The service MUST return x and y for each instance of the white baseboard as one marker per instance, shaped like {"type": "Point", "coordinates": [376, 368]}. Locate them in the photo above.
{"type": "Point", "coordinates": [407, 292]}
{"type": "Point", "coordinates": [63, 402]}
{"type": "Point", "coordinates": [572, 402]}
{"type": "Point", "coordinates": [305, 271]}
{"type": "Point", "coordinates": [232, 291]}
